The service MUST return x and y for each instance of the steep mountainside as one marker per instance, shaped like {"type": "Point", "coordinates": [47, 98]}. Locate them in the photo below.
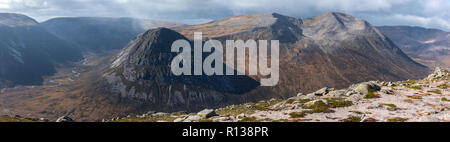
{"type": "Point", "coordinates": [430, 47]}
{"type": "Point", "coordinates": [142, 71]}
{"type": "Point", "coordinates": [28, 52]}
{"type": "Point", "coordinates": [96, 33]}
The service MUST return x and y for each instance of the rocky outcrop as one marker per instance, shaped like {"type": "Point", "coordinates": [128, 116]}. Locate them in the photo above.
{"type": "Point", "coordinates": [207, 113]}
{"type": "Point", "coordinates": [438, 73]}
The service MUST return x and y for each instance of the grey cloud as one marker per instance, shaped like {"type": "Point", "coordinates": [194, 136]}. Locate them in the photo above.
{"type": "Point", "coordinates": [426, 13]}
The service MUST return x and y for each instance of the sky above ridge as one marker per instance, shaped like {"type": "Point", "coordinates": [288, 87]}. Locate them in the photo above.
{"type": "Point", "coordinates": [424, 13]}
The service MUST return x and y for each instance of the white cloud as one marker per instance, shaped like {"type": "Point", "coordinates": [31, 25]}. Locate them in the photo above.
{"type": "Point", "coordinates": [428, 13]}
{"type": "Point", "coordinates": [4, 4]}
{"type": "Point", "coordinates": [435, 22]}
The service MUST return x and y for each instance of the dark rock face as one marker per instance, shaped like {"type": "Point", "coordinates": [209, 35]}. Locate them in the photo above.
{"type": "Point", "coordinates": [430, 47]}
{"type": "Point", "coordinates": [142, 72]}
{"type": "Point", "coordinates": [97, 34]}
{"type": "Point", "coordinates": [28, 52]}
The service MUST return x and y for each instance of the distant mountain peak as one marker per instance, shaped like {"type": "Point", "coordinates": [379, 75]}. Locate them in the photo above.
{"type": "Point", "coordinates": [427, 46]}
{"type": "Point", "coordinates": [278, 15]}
{"type": "Point", "coordinates": [279, 25]}
{"type": "Point", "coordinates": [16, 20]}
{"type": "Point", "coordinates": [160, 32]}
{"type": "Point", "coordinates": [335, 25]}
{"type": "Point", "coordinates": [333, 19]}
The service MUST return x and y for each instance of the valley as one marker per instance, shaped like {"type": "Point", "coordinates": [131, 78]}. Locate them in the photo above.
{"type": "Point", "coordinates": [58, 94]}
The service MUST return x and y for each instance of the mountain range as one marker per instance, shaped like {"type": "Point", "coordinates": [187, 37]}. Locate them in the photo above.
{"type": "Point", "coordinates": [99, 33]}
{"type": "Point", "coordinates": [29, 50]}
{"type": "Point", "coordinates": [332, 49]}
{"type": "Point", "coordinates": [430, 47]}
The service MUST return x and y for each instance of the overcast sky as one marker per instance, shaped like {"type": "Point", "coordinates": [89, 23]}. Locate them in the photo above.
{"type": "Point", "coordinates": [425, 13]}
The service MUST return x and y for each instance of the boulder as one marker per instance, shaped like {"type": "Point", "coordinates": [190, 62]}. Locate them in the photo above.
{"type": "Point", "coordinates": [390, 84]}
{"type": "Point", "coordinates": [369, 119]}
{"type": "Point", "coordinates": [311, 103]}
{"type": "Point", "coordinates": [367, 87]}
{"type": "Point", "coordinates": [193, 118]}
{"type": "Point", "coordinates": [160, 114]}
{"type": "Point", "coordinates": [310, 96]}
{"type": "Point", "coordinates": [179, 120]}
{"type": "Point", "coordinates": [323, 91]}
{"type": "Point", "coordinates": [350, 92]}
{"type": "Point", "coordinates": [355, 97]}
{"type": "Point", "coordinates": [150, 112]}
{"type": "Point", "coordinates": [207, 113]}
{"type": "Point", "coordinates": [387, 92]}
{"type": "Point", "coordinates": [65, 119]}
{"type": "Point", "coordinates": [337, 93]}
{"type": "Point", "coordinates": [43, 119]}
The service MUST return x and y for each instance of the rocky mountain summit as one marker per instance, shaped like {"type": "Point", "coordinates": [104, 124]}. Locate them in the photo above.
{"type": "Point", "coordinates": [426, 100]}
